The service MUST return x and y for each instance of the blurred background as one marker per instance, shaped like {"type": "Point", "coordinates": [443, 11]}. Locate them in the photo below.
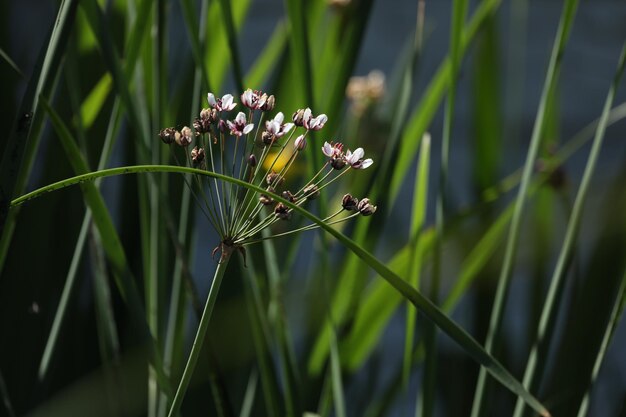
{"type": "Point", "coordinates": [84, 355]}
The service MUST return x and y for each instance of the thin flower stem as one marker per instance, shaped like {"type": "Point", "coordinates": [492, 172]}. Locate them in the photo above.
{"type": "Point", "coordinates": [302, 229]}
{"type": "Point", "coordinates": [201, 333]}
{"type": "Point", "coordinates": [217, 190]}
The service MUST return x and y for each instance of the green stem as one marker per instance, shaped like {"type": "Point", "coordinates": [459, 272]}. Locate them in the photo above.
{"type": "Point", "coordinates": [202, 328]}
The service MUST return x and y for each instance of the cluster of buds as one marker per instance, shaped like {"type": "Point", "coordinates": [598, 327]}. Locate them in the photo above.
{"type": "Point", "coordinates": [229, 147]}
{"type": "Point", "coordinates": [365, 91]}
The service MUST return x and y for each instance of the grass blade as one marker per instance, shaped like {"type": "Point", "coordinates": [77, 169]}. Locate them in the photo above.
{"type": "Point", "coordinates": [567, 17]}
{"type": "Point", "coordinates": [548, 317]}
{"type": "Point", "coordinates": [420, 198]}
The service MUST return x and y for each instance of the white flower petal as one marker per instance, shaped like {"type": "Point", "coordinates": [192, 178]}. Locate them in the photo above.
{"type": "Point", "coordinates": [227, 102]}
{"type": "Point", "coordinates": [248, 128]}
{"type": "Point", "coordinates": [279, 117]}
{"type": "Point", "coordinates": [327, 149]}
{"type": "Point", "coordinates": [211, 99]}
{"type": "Point", "coordinates": [359, 152]}
{"type": "Point", "coordinates": [241, 118]}
{"type": "Point", "coordinates": [366, 163]}
{"type": "Point", "coordinates": [287, 127]}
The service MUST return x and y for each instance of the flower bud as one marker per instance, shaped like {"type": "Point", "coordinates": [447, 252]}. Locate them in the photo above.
{"type": "Point", "coordinates": [252, 160]}
{"type": "Point", "coordinates": [288, 196]}
{"type": "Point", "coordinates": [168, 135]}
{"type": "Point", "coordinates": [282, 212]}
{"type": "Point", "coordinates": [298, 117]}
{"type": "Point", "coordinates": [185, 137]}
{"type": "Point", "coordinates": [274, 179]}
{"type": "Point", "coordinates": [265, 199]}
{"type": "Point", "coordinates": [311, 192]}
{"type": "Point", "coordinates": [269, 103]}
{"type": "Point", "coordinates": [300, 142]}
{"type": "Point", "coordinates": [337, 163]}
{"type": "Point", "coordinates": [366, 208]}
{"type": "Point", "coordinates": [222, 126]}
{"type": "Point", "coordinates": [268, 138]}
{"type": "Point", "coordinates": [350, 203]}
{"type": "Point", "coordinates": [197, 155]}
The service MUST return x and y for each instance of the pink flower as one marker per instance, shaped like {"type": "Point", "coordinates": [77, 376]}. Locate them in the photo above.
{"type": "Point", "coordinates": [239, 126]}
{"type": "Point", "coordinates": [333, 150]}
{"type": "Point", "coordinates": [355, 159]}
{"type": "Point", "coordinates": [253, 99]}
{"type": "Point", "coordinates": [276, 126]}
{"type": "Point", "coordinates": [315, 123]}
{"type": "Point", "coordinates": [225, 103]}
{"type": "Point", "coordinates": [300, 142]}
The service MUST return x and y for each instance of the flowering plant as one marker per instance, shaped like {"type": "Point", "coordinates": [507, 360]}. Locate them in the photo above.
{"type": "Point", "coordinates": [230, 148]}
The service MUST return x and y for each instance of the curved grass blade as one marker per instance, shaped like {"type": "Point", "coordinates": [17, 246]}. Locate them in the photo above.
{"type": "Point", "coordinates": [454, 331]}
{"type": "Point", "coordinates": [547, 321]}
{"type": "Point", "coordinates": [493, 335]}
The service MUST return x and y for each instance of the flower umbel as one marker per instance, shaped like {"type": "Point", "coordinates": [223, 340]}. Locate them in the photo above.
{"type": "Point", "coordinates": [239, 214]}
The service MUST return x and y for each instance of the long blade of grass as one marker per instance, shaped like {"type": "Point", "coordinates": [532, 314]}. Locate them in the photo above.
{"type": "Point", "coordinates": [23, 139]}
{"type": "Point", "coordinates": [547, 321]}
{"type": "Point", "coordinates": [428, 105]}
{"type": "Point", "coordinates": [493, 335]}
{"type": "Point", "coordinates": [426, 403]}
{"type": "Point", "coordinates": [420, 198]}
{"type": "Point", "coordinates": [257, 74]}
{"type": "Point", "coordinates": [110, 240]}
{"type": "Point", "coordinates": [432, 312]}
{"type": "Point", "coordinates": [616, 314]}
{"type": "Point", "coordinates": [233, 46]}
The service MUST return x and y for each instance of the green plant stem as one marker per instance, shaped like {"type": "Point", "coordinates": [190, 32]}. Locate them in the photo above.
{"type": "Point", "coordinates": [198, 341]}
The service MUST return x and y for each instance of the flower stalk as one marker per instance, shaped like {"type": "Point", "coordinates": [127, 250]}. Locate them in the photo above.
{"type": "Point", "coordinates": [196, 348]}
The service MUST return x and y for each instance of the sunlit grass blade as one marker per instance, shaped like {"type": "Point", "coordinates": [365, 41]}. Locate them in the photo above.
{"type": "Point", "coordinates": [547, 321]}
{"type": "Point", "coordinates": [233, 46]}
{"type": "Point", "coordinates": [493, 335]}
{"type": "Point", "coordinates": [430, 101]}
{"type": "Point", "coordinates": [12, 64]}
{"type": "Point", "coordinates": [456, 333]}
{"type": "Point", "coordinates": [420, 198]}
{"type": "Point", "coordinates": [23, 139]}
{"type": "Point", "coordinates": [250, 394]}
{"type": "Point", "coordinates": [266, 61]}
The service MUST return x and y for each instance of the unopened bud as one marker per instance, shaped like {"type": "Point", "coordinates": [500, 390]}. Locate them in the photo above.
{"type": "Point", "coordinates": [366, 208]}
{"type": "Point", "coordinates": [298, 117]}
{"type": "Point", "coordinates": [168, 135]}
{"type": "Point", "coordinates": [350, 203]}
{"type": "Point", "coordinates": [269, 103]}
{"type": "Point", "coordinates": [300, 142]}
{"type": "Point", "coordinates": [185, 137]}
{"type": "Point", "coordinates": [252, 160]}
{"type": "Point", "coordinates": [197, 155]}
{"type": "Point", "coordinates": [337, 163]}
{"type": "Point", "coordinates": [268, 138]}
{"type": "Point", "coordinates": [274, 179]}
{"type": "Point", "coordinates": [288, 196]}
{"type": "Point", "coordinates": [282, 212]}
{"type": "Point", "coordinates": [311, 192]}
